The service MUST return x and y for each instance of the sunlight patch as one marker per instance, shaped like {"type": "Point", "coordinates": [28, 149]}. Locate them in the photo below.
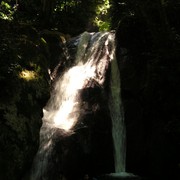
{"type": "Point", "coordinates": [28, 75]}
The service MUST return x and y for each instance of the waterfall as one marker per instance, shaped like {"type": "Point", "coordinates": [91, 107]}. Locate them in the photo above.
{"type": "Point", "coordinates": [95, 51]}
{"type": "Point", "coordinates": [117, 116]}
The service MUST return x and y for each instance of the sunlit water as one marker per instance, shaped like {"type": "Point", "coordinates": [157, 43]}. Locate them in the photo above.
{"type": "Point", "coordinates": [64, 110]}
{"type": "Point", "coordinates": [94, 53]}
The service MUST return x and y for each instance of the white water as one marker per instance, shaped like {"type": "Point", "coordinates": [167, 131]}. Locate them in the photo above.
{"type": "Point", "coordinates": [117, 116]}
{"type": "Point", "coordinates": [95, 51]}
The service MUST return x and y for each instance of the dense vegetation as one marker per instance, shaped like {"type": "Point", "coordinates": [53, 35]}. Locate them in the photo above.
{"type": "Point", "coordinates": [32, 34]}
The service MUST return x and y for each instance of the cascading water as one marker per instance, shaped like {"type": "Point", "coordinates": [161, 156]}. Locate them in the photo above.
{"type": "Point", "coordinates": [117, 116]}
{"type": "Point", "coordinates": [95, 52]}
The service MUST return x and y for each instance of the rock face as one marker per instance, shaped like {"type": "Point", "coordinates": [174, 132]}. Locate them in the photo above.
{"type": "Point", "coordinates": [120, 176]}
{"type": "Point", "coordinates": [149, 91]}
{"type": "Point", "coordinates": [150, 95]}
{"type": "Point", "coordinates": [87, 150]}
{"type": "Point", "coordinates": [77, 140]}
{"type": "Point", "coordinates": [150, 116]}
{"type": "Point", "coordinates": [24, 91]}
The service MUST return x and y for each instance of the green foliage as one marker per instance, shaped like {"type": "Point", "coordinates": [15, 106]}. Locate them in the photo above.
{"type": "Point", "coordinates": [73, 17]}
{"type": "Point", "coordinates": [69, 16]}
{"type": "Point", "coordinates": [65, 5]}
{"type": "Point", "coordinates": [16, 122]}
{"type": "Point", "coordinates": [21, 101]}
{"type": "Point", "coordinates": [102, 25]}
{"type": "Point", "coordinates": [7, 11]}
{"type": "Point", "coordinates": [102, 19]}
